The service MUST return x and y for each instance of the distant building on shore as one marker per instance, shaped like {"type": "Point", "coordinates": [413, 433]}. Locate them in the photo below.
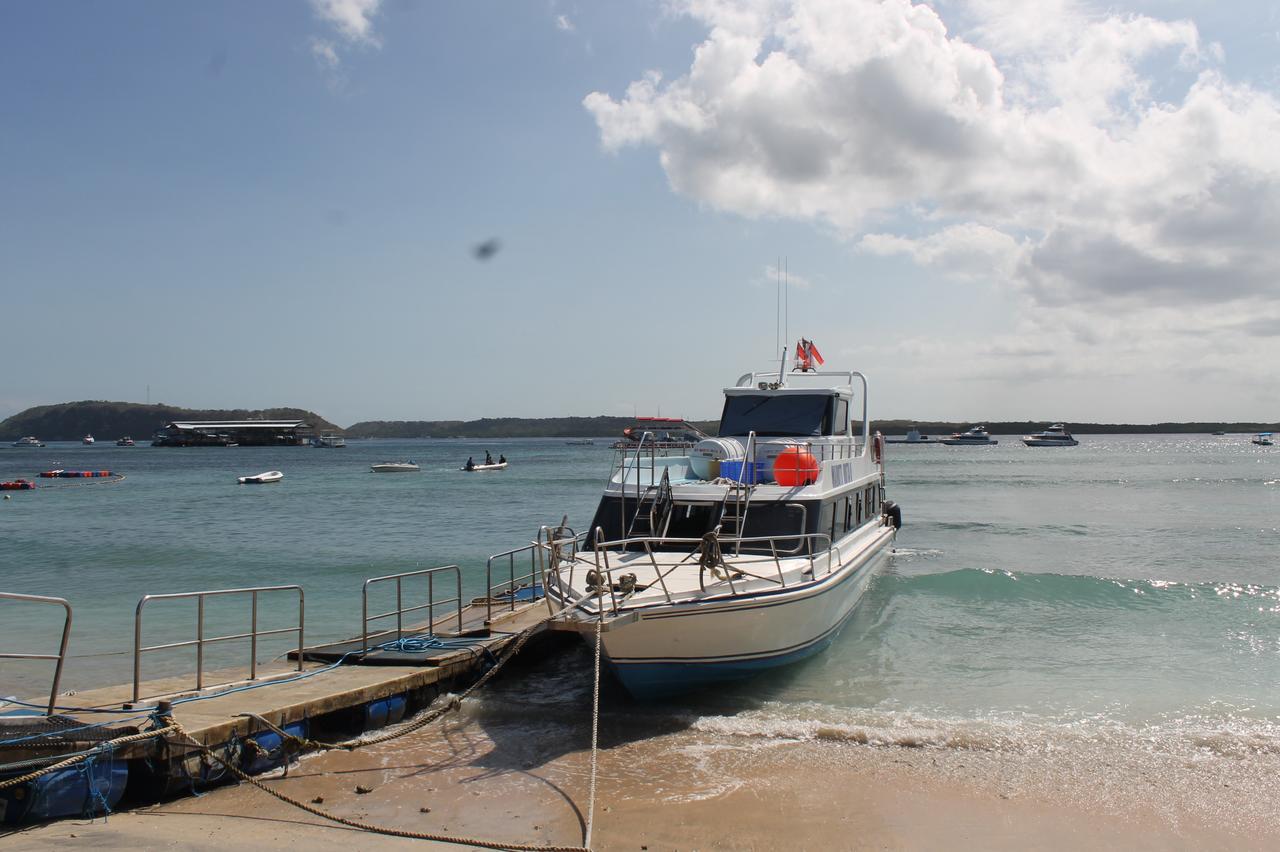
{"type": "Point", "coordinates": [230, 433]}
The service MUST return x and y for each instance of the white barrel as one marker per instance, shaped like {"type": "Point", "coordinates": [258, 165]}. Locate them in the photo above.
{"type": "Point", "coordinates": [705, 457]}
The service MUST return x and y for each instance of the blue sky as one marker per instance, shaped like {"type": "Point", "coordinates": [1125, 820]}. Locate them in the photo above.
{"type": "Point", "coordinates": [252, 204]}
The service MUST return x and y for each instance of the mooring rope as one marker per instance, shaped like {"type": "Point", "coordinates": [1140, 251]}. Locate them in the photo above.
{"type": "Point", "coordinates": [170, 728]}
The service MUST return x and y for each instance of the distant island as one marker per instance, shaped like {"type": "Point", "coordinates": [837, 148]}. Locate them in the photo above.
{"type": "Point", "coordinates": [70, 421]}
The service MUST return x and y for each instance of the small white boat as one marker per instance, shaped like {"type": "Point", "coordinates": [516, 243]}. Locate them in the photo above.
{"type": "Point", "coordinates": [1055, 436]}
{"type": "Point", "coordinates": [87, 439]}
{"type": "Point", "coordinates": [28, 441]}
{"type": "Point", "coordinates": [976, 436]}
{"type": "Point", "coordinates": [126, 441]}
{"type": "Point", "coordinates": [477, 467]}
{"type": "Point", "coordinates": [395, 467]}
{"type": "Point", "coordinates": [914, 436]}
{"type": "Point", "coordinates": [330, 442]}
{"type": "Point", "coordinates": [1263, 439]}
{"type": "Point", "coordinates": [264, 478]}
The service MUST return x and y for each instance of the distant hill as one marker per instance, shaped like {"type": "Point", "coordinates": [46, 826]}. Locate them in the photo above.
{"type": "Point", "coordinates": [70, 421]}
{"type": "Point", "coordinates": [500, 427]}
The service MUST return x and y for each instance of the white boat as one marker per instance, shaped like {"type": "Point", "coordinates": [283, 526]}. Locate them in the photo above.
{"type": "Point", "coordinates": [1055, 436]}
{"type": "Point", "coordinates": [395, 467]}
{"type": "Point", "coordinates": [126, 441]}
{"type": "Point", "coordinates": [264, 478]}
{"type": "Point", "coordinates": [748, 553]}
{"type": "Point", "coordinates": [329, 442]}
{"type": "Point", "coordinates": [87, 439]}
{"type": "Point", "coordinates": [913, 436]}
{"type": "Point", "coordinates": [977, 436]}
{"type": "Point", "coordinates": [479, 467]}
{"type": "Point", "coordinates": [1263, 439]}
{"type": "Point", "coordinates": [28, 441]}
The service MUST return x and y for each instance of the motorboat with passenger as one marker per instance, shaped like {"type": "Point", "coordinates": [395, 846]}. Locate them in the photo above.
{"type": "Point", "coordinates": [747, 552]}
{"type": "Point", "coordinates": [976, 436]}
{"type": "Point", "coordinates": [1055, 436]}
{"type": "Point", "coordinates": [28, 441]}
{"type": "Point", "coordinates": [1263, 439]}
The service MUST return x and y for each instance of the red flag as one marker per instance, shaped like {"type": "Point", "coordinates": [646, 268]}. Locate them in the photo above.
{"type": "Point", "coordinates": [817, 356]}
{"type": "Point", "coordinates": [801, 357]}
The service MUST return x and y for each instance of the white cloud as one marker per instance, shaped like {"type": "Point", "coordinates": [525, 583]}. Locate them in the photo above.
{"type": "Point", "coordinates": [772, 274]}
{"type": "Point", "coordinates": [564, 24]}
{"type": "Point", "coordinates": [353, 19]}
{"type": "Point", "coordinates": [1084, 157]}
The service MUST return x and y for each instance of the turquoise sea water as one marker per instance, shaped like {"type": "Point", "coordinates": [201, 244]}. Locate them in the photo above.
{"type": "Point", "coordinates": [1128, 587]}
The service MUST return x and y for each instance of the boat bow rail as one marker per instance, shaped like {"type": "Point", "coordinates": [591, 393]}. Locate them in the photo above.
{"type": "Point", "coordinates": [61, 656]}
{"type": "Point", "coordinates": [199, 643]}
{"type": "Point", "coordinates": [732, 561]}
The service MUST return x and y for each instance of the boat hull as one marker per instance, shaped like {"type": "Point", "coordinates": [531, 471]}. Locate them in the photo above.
{"type": "Point", "coordinates": [676, 648]}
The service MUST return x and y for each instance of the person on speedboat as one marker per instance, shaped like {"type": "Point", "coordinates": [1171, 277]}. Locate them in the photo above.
{"type": "Point", "coordinates": [502, 459]}
{"type": "Point", "coordinates": [488, 458]}
{"type": "Point", "coordinates": [471, 465]}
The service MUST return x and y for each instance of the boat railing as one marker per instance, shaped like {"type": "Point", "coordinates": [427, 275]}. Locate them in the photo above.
{"type": "Point", "coordinates": [738, 567]}
{"type": "Point", "coordinates": [401, 609]}
{"type": "Point", "coordinates": [61, 656]}
{"type": "Point", "coordinates": [201, 640]}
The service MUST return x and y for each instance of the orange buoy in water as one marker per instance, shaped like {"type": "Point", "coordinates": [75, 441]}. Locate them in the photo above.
{"type": "Point", "coordinates": [795, 466]}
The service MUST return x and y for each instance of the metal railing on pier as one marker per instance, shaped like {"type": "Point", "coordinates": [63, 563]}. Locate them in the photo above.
{"type": "Point", "coordinates": [61, 656]}
{"type": "Point", "coordinates": [201, 640]}
{"type": "Point", "coordinates": [401, 610]}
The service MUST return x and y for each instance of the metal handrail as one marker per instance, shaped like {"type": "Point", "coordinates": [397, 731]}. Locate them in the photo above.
{"type": "Point", "coordinates": [600, 559]}
{"type": "Point", "coordinates": [400, 610]}
{"type": "Point", "coordinates": [510, 584]}
{"type": "Point", "coordinates": [200, 641]}
{"type": "Point", "coordinates": [61, 656]}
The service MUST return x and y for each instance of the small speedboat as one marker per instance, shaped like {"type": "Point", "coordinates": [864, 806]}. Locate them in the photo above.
{"type": "Point", "coordinates": [395, 467]}
{"type": "Point", "coordinates": [17, 485]}
{"type": "Point", "coordinates": [126, 441]}
{"type": "Point", "coordinates": [479, 467]}
{"type": "Point", "coordinates": [975, 436]}
{"type": "Point", "coordinates": [1263, 439]}
{"type": "Point", "coordinates": [87, 439]}
{"type": "Point", "coordinates": [329, 442]}
{"type": "Point", "coordinates": [28, 441]}
{"type": "Point", "coordinates": [1055, 436]}
{"type": "Point", "coordinates": [265, 478]}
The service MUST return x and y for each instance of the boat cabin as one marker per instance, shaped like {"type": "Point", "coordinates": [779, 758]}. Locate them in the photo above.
{"type": "Point", "coordinates": [790, 470]}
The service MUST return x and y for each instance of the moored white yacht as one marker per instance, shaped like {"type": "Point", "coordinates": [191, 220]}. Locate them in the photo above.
{"type": "Point", "coordinates": [913, 436]}
{"type": "Point", "coordinates": [974, 436]}
{"type": "Point", "coordinates": [1055, 436]}
{"type": "Point", "coordinates": [87, 439]}
{"type": "Point", "coordinates": [28, 441]}
{"type": "Point", "coordinates": [747, 553]}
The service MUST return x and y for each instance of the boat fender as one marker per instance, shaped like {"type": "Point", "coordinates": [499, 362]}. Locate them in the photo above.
{"type": "Point", "coordinates": [877, 448]}
{"type": "Point", "coordinates": [893, 512]}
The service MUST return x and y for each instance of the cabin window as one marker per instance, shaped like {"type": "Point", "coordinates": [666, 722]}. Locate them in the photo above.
{"type": "Point", "coordinates": [858, 516]}
{"type": "Point", "coordinates": [840, 422]}
{"type": "Point", "coordinates": [776, 520]}
{"type": "Point", "coordinates": [777, 415]}
{"type": "Point", "coordinates": [848, 514]}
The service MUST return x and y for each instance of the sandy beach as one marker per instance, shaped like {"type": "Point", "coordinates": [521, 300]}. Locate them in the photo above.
{"type": "Point", "coordinates": [492, 773]}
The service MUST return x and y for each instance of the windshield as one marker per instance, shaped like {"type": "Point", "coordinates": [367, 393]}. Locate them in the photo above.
{"type": "Point", "coordinates": [776, 415]}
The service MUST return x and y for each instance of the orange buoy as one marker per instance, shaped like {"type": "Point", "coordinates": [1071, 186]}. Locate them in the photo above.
{"type": "Point", "coordinates": [796, 466]}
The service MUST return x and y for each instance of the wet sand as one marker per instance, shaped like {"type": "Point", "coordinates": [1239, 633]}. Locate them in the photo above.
{"type": "Point", "coordinates": [505, 773]}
